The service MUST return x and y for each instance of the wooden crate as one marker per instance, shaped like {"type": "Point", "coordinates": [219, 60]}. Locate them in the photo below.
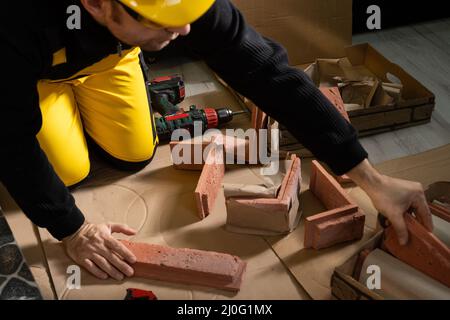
{"type": "Point", "coordinates": [344, 286]}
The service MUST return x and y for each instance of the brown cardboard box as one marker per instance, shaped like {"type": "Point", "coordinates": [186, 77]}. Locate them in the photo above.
{"type": "Point", "coordinates": [307, 28]}
{"type": "Point", "coordinates": [414, 108]}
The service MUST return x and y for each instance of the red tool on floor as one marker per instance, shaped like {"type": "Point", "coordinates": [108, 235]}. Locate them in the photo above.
{"type": "Point", "coordinates": [138, 294]}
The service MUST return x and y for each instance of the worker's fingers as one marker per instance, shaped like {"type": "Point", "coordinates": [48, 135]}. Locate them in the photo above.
{"type": "Point", "coordinates": [122, 228]}
{"type": "Point", "coordinates": [399, 224]}
{"type": "Point", "coordinates": [120, 249]}
{"type": "Point", "coordinates": [118, 262]}
{"type": "Point", "coordinates": [103, 264]}
{"type": "Point", "coordinates": [422, 212]}
{"type": "Point", "coordinates": [92, 268]}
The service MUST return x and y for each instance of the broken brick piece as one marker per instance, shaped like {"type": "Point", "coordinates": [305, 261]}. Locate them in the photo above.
{"type": "Point", "coordinates": [210, 181]}
{"type": "Point", "coordinates": [333, 227]}
{"type": "Point", "coordinates": [187, 266]}
{"type": "Point", "coordinates": [333, 94]}
{"type": "Point", "coordinates": [341, 223]}
{"type": "Point", "coordinates": [424, 251]}
{"type": "Point", "coordinates": [277, 215]}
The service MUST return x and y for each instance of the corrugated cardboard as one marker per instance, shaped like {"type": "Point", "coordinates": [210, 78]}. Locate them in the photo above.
{"type": "Point", "coordinates": [309, 29]}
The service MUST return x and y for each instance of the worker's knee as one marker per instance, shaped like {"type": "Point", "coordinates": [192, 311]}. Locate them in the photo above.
{"type": "Point", "coordinates": [72, 173]}
{"type": "Point", "coordinates": [131, 155]}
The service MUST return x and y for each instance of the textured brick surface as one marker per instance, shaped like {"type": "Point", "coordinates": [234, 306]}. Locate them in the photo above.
{"type": "Point", "coordinates": [424, 250]}
{"type": "Point", "coordinates": [341, 223]}
{"type": "Point", "coordinates": [187, 266]}
{"type": "Point", "coordinates": [210, 181]}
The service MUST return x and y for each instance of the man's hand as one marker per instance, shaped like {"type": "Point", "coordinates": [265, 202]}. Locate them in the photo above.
{"type": "Point", "coordinates": [93, 247]}
{"type": "Point", "coordinates": [393, 198]}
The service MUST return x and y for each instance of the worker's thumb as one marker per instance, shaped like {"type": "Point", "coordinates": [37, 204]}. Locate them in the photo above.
{"type": "Point", "coordinates": [401, 230]}
{"type": "Point", "coordinates": [122, 228]}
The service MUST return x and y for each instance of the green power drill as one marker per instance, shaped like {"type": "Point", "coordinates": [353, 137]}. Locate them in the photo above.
{"type": "Point", "coordinates": [166, 93]}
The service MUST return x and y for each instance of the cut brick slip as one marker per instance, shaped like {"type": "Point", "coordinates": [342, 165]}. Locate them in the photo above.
{"type": "Point", "coordinates": [424, 250]}
{"type": "Point", "coordinates": [334, 96]}
{"type": "Point", "coordinates": [210, 181]}
{"type": "Point", "coordinates": [269, 214]}
{"type": "Point", "coordinates": [341, 223]}
{"type": "Point", "coordinates": [187, 266]}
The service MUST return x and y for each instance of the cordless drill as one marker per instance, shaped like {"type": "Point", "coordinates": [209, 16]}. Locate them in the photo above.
{"type": "Point", "coordinates": [166, 93]}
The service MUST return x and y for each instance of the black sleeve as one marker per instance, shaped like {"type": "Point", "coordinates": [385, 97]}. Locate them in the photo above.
{"type": "Point", "coordinates": [258, 68]}
{"type": "Point", "coordinates": [25, 170]}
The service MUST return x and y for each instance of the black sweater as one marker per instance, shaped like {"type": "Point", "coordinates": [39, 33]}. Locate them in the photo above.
{"type": "Point", "coordinates": [31, 31]}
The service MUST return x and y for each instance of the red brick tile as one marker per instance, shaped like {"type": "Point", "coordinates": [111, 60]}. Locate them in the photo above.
{"type": "Point", "coordinates": [333, 227]}
{"type": "Point", "coordinates": [326, 188]}
{"type": "Point", "coordinates": [424, 250]}
{"type": "Point", "coordinates": [210, 181]}
{"type": "Point", "coordinates": [341, 223]}
{"type": "Point", "coordinates": [187, 266]}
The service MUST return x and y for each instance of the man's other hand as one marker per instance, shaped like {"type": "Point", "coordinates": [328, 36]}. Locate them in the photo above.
{"type": "Point", "coordinates": [393, 198]}
{"type": "Point", "coordinates": [94, 248]}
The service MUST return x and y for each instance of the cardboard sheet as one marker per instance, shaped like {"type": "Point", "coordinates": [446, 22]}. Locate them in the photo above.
{"type": "Point", "coordinates": [313, 269]}
{"type": "Point", "coordinates": [159, 202]}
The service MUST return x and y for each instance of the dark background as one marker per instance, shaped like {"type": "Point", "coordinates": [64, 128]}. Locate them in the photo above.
{"type": "Point", "coordinates": [398, 12]}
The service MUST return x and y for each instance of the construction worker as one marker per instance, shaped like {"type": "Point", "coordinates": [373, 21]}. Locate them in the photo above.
{"type": "Point", "coordinates": [63, 86]}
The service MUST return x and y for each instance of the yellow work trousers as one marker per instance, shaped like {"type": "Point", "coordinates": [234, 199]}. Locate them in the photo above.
{"type": "Point", "coordinates": [108, 101]}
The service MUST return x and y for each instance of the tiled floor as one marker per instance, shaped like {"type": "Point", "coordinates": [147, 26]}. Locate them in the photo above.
{"type": "Point", "coordinates": [16, 280]}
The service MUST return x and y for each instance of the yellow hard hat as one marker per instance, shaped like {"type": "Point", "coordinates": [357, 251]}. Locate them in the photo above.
{"type": "Point", "coordinates": [169, 13]}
